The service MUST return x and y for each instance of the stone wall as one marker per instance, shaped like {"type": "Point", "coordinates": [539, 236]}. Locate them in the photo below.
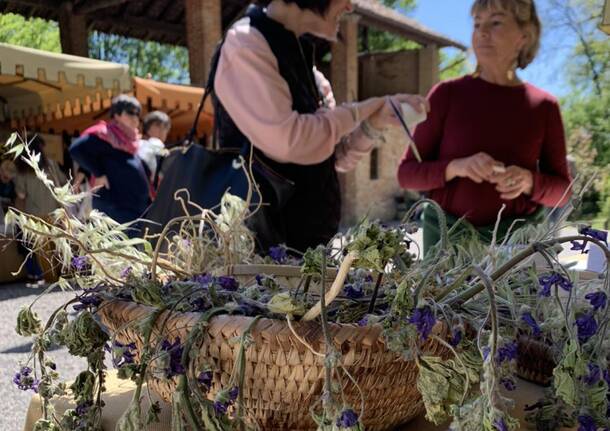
{"type": "Point", "coordinates": [363, 192]}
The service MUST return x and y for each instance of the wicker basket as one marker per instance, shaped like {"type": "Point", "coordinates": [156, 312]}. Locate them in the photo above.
{"type": "Point", "coordinates": [283, 378]}
{"type": "Point", "coordinates": [535, 360]}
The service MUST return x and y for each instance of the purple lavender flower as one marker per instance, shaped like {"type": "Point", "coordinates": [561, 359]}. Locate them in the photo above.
{"type": "Point", "coordinates": [126, 271]}
{"type": "Point", "coordinates": [531, 322]}
{"type": "Point", "coordinates": [198, 305]}
{"type": "Point", "coordinates": [204, 279]}
{"type": "Point", "coordinates": [553, 279]}
{"type": "Point", "coordinates": [599, 235]}
{"type": "Point", "coordinates": [228, 283]}
{"type": "Point", "coordinates": [25, 381]}
{"type": "Point", "coordinates": [456, 337]}
{"type": "Point", "coordinates": [606, 375]}
{"type": "Point", "coordinates": [278, 254]}
{"type": "Point", "coordinates": [87, 301]}
{"type": "Point", "coordinates": [175, 357]}
{"type": "Point", "coordinates": [364, 321]}
{"type": "Point", "coordinates": [423, 318]}
{"type": "Point", "coordinates": [259, 279]}
{"type": "Point", "coordinates": [347, 419]}
{"type": "Point", "coordinates": [586, 423]}
{"type": "Point", "coordinates": [594, 374]}
{"type": "Point", "coordinates": [500, 425]}
{"type": "Point", "coordinates": [579, 246]}
{"type": "Point", "coordinates": [220, 408]}
{"type": "Point", "coordinates": [597, 299]}
{"type": "Point", "coordinates": [205, 379]}
{"type": "Point", "coordinates": [509, 384]}
{"type": "Point", "coordinates": [586, 327]}
{"type": "Point", "coordinates": [80, 262]}
{"type": "Point", "coordinates": [83, 408]}
{"type": "Point", "coordinates": [123, 354]}
{"type": "Point", "coordinates": [507, 352]}
{"type": "Point", "coordinates": [233, 394]}
{"type": "Point", "coordinates": [353, 291]}
{"type": "Point", "coordinates": [224, 399]}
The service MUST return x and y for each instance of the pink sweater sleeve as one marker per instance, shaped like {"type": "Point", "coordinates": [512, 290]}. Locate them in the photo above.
{"type": "Point", "coordinates": [255, 95]}
{"type": "Point", "coordinates": [352, 147]}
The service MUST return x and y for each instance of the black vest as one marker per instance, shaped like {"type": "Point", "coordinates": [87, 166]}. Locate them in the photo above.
{"type": "Point", "coordinates": [311, 214]}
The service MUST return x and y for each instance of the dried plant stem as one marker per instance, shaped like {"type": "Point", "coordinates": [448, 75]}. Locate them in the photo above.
{"type": "Point", "coordinates": [512, 263]}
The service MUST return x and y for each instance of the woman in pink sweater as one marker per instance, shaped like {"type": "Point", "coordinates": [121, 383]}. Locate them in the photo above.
{"type": "Point", "coordinates": [268, 93]}
{"type": "Point", "coordinates": [491, 139]}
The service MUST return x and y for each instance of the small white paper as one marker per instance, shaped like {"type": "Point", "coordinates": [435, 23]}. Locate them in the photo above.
{"type": "Point", "coordinates": [411, 116]}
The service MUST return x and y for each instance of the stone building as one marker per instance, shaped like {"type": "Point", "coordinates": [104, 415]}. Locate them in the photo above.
{"type": "Point", "coordinates": [198, 25]}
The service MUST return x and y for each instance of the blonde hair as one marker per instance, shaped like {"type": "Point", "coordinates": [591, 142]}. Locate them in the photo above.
{"type": "Point", "coordinates": [526, 16]}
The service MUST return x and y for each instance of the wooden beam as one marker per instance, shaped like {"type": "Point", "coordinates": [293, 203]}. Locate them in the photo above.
{"type": "Point", "coordinates": [91, 6]}
{"type": "Point", "coordinates": [35, 3]}
{"type": "Point", "coordinates": [73, 31]}
{"type": "Point", "coordinates": [203, 31]}
{"type": "Point", "coordinates": [164, 29]}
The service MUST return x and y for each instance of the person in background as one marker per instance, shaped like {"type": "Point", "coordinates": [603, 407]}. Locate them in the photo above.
{"type": "Point", "coordinates": [8, 172]}
{"type": "Point", "coordinates": [491, 139]}
{"type": "Point", "coordinates": [108, 151]}
{"type": "Point", "coordinates": [267, 93]}
{"type": "Point", "coordinates": [34, 198]}
{"type": "Point", "coordinates": [155, 128]}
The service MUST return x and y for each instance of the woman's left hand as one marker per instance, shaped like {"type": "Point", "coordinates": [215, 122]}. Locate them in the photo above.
{"type": "Point", "coordinates": [514, 182]}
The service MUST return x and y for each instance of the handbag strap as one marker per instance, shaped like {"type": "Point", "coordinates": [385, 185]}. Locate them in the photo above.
{"type": "Point", "coordinates": [209, 86]}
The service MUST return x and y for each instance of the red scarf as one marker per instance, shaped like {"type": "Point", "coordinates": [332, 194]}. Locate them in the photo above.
{"type": "Point", "coordinates": [117, 135]}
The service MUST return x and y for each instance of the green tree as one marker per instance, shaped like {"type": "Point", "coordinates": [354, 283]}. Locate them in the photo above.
{"type": "Point", "coordinates": [163, 62]}
{"type": "Point", "coordinates": [586, 109]}
{"type": "Point", "coordinates": [32, 32]}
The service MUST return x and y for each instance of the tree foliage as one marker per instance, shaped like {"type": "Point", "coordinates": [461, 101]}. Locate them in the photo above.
{"type": "Point", "coordinates": [586, 108]}
{"type": "Point", "coordinates": [33, 32]}
{"type": "Point", "coordinates": [162, 62]}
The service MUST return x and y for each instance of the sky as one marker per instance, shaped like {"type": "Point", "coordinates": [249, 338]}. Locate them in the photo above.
{"type": "Point", "coordinates": [452, 18]}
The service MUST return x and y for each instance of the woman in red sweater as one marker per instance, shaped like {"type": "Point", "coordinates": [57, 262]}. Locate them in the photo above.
{"type": "Point", "coordinates": [491, 139]}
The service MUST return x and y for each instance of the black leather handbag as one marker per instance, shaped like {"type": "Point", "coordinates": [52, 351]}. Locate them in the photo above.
{"type": "Point", "coordinates": [207, 175]}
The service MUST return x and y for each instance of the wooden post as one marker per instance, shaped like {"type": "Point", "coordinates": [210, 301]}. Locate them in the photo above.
{"type": "Point", "coordinates": [73, 31]}
{"type": "Point", "coordinates": [428, 68]}
{"type": "Point", "coordinates": [203, 32]}
{"type": "Point", "coordinates": [344, 61]}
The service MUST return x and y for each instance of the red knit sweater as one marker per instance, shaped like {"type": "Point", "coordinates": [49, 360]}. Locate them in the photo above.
{"type": "Point", "coordinates": [516, 125]}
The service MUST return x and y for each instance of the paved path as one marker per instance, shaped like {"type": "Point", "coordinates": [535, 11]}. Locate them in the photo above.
{"type": "Point", "coordinates": [13, 348]}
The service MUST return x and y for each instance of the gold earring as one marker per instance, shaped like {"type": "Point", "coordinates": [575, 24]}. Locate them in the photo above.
{"type": "Point", "coordinates": [511, 72]}
{"type": "Point", "coordinates": [477, 72]}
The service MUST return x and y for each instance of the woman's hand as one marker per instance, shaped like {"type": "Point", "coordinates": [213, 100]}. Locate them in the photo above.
{"type": "Point", "coordinates": [101, 182]}
{"type": "Point", "coordinates": [385, 116]}
{"type": "Point", "coordinates": [479, 167]}
{"type": "Point", "coordinates": [514, 182]}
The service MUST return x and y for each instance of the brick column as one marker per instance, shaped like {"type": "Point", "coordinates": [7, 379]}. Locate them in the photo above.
{"type": "Point", "coordinates": [428, 68]}
{"type": "Point", "coordinates": [203, 31]}
{"type": "Point", "coordinates": [344, 61]}
{"type": "Point", "coordinates": [73, 31]}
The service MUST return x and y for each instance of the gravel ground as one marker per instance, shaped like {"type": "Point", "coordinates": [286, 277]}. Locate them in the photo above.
{"type": "Point", "coordinates": [13, 349]}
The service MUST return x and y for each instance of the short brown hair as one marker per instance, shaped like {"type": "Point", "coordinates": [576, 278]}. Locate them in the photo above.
{"type": "Point", "coordinates": [526, 16]}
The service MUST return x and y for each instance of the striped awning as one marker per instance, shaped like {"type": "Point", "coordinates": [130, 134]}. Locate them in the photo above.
{"type": "Point", "coordinates": [51, 86]}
